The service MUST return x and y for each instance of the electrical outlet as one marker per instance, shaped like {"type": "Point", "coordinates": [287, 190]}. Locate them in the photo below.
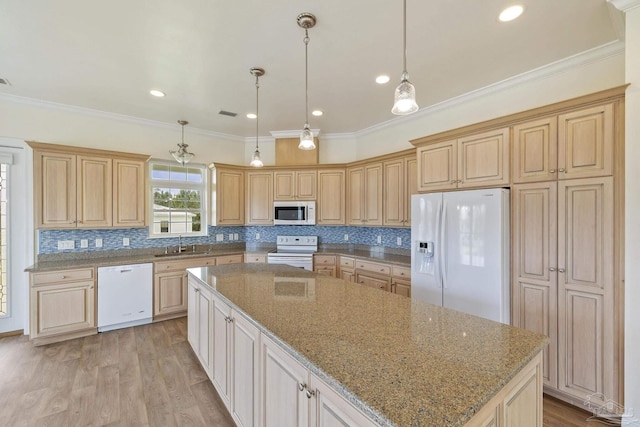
{"type": "Point", "coordinates": [257, 236]}
{"type": "Point", "coordinates": [399, 241]}
{"type": "Point", "coordinates": [125, 241]}
{"type": "Point", "coordinates": [66, 244]}
{"type": "Point", "coordinates": [235, 236]}
{"type": "Point", "coordinates": [379, 240]}
{"type": "Point", "coordinates": [230, 236]}
{"type": "Point", "coordinates": [84, 243]}
{"type": "Point", "coordinates": [219, 237]}
{"type": "Point", "coordinates": [346, 237]}
{"type": "Point", "coordinates": [98, 243]}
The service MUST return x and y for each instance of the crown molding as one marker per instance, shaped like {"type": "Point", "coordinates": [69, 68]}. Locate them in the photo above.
{"type": "Point", "coordinates": [292, 133]}
{"type": "Point", "coordinates": [261, 139]}
{"type": "Point", "coordinates": [113, 116]}
{"type": "Point", "coordinates": [589, 56]}
{"type": "Point", "coordinates": [625, 5]}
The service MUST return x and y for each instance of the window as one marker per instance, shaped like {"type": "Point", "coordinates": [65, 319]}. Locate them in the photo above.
{"type": "Point", "coordinates": [178, 199]}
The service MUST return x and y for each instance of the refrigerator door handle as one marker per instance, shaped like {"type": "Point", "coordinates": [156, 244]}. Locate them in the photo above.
{"type": "Point", "coordinates": [438, 245]}
{"type": "Point", "coordinates": [443, 249]}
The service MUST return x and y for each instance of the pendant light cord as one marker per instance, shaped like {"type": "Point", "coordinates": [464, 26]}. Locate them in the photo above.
{"type": "Point", "coordinates": [306, 74]}
{"type": "Point", "coordinates": [257, 115]}
{"type": "Point", "coordinates": [404, 41]}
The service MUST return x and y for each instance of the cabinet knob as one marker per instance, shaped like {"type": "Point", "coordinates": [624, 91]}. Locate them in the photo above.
{"type": "Point", "coordinates": [196, 290]}
{"type": "Point", "coordinates": [561, 270]}
{"type": "Point", "coordinates": [562, 170]}
{"type": "Point", "coordinates": [63, 277]}
{"type": "Point", "coordinates": [552, 269]}
{"type": "Point", "coordinates": [454, 181]}
{"type": "Point", "coordinates": [310, 393]}
{"type": "Point", "coordinates": [302, 386]}
{"type": "Point", "coordinates": [552, 171]}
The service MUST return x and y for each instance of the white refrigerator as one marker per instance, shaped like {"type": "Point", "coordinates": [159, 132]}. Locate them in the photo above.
{"type": "Point", "coordinates": [460, 251]}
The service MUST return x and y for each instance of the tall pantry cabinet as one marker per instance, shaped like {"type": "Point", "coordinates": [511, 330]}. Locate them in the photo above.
{"type": "Point", "coordinates": [567, 242]}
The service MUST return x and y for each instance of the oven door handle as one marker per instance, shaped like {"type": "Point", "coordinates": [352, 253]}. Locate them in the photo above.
{"type": "Point", "coordinates": [289, 258]}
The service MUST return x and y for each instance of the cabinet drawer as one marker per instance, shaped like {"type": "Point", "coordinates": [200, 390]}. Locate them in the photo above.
{"type": "Point", "coordinates": [229, 259]}
{"type": "Point", "coordinates": [402, 272]}
{"type": "Point", "coordinates": [182, 264]}
{"type": "Point", "coordinates": [61, 276]}
{"type": "Point", "coordinates": [255, 259]}
{"type": "Point", "coordinates": [373, 267]}
{"type": "Point", "coordinates": [324, 260]}
{"type": "Point", "coordinates": [347, 262]}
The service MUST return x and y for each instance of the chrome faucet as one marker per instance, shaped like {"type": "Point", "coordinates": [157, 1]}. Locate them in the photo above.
{"type": "Point", "coordinates": [180, 247]}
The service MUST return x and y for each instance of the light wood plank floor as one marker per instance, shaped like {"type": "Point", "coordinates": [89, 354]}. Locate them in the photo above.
{"type": "Point", "coordinates": [142, 376]}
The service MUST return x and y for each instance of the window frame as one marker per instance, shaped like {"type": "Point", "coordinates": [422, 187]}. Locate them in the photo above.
{"type": "Point", "coordinates": [180, 185]}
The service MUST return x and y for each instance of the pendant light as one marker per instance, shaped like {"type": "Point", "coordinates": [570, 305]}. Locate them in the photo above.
{"type": "Point", "coordinates": [405, 95]}
{"type": "Point", "coordinates": [306, 21]}
{"type": "Point", "coordinates": [181, 155]}
{"type": "Point", "coordinates": [256, 161]}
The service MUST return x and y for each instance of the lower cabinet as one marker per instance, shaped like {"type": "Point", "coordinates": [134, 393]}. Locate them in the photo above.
{"type": "Point", "coordinates": [62, 305]}
{"type": "Point", "coordinates": [200, 324]}
{"type": "Point", "coordinates": [372, 281]}
{"type": "Point", "coordinates": [325, 264]}
{"type": "Point", "coordinates": [170, 294]}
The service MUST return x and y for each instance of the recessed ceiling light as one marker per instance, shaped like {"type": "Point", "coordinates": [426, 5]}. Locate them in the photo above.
{"type": "Point", "coordinates": [317, 113]}
{"type": "Point", "coordinates": [157, 93]}
{"type": "Point", "coordinates": [511, 13]}
{"type": "Point", "coordinates": [251, 116]}
{"type": "Point", "coordinates": [382, 79]}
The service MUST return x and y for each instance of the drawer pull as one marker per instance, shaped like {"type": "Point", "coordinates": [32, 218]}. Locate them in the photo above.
{"type": "Point", "coordinates": [63, 277]}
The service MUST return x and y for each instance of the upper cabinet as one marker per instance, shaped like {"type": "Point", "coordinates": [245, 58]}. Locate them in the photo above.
{"type": "Point", "coordinates": [330, 209]}
{"type": "Point", "coordinates": [82, 188]}
{"type": "Point", "coordinates": [259, 196]}
{"type": "Point", "coordinates": [364, 194]}
{"type": "Point", "coordinates": [228, 196]}
{"type": "Point", "coordinates": [477, 160]}
{"type": "Point", "coordinates": [400, 182]}
{"type": "Point", "coordinates": [295, 185]}
{"type": "Point", "coordinates": [578, 144]}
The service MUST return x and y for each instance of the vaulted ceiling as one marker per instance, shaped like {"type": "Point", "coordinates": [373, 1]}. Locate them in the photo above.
{"type": "Point", "coordinates": [107, 55]}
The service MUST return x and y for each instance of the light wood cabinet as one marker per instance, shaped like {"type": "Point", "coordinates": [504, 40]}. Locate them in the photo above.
{"type": "Point", "coordinates": [364, 193]}
{"type": "Point", "coordinates": [259, 205]}
{"type": "Point", "coordinates": [479, 160]}
{"type": "Point", "coordinates": [373, 280]}
{"type": "Point", "coordinates": [400, 182]}
{"type": "Point", "coordinates": [170, 286]}
{"type": "Point", "coordinates": [83, 188]}
{"type": "Point", "coordinates": [228, 199]}
{"type": "Point", "coordinates": [325, 264]}
{"type": "Point", "coordinates": [62, 305]}
{"type": "Point", "coordinates": [577, 144]}
{"type": "Point", "coordinates": [129, 187]}
{"type": "Point", "coordinates": [330, 209]}
{"type": "Point", "coordinates": [295, 185]}
{"type": "Point", "coordinates": [347, 268]}
{"type": "Point", "coordinates": [255, 259]}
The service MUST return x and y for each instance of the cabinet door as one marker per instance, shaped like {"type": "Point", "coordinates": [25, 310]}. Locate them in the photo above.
{"type": "Point", "coordinates": [585, 281]}
{"type": "Point", "coordinates": [330, 209]}
{"type": "Point", "coordinates": [372, 281]}
{"type": "Point", "coordinates": [62, 308]}
{"type": "Point", "coordinates": [306, 186]}
{"type": "Point", "coordinates": [192, 315]}
{"type": "Point", "coordinates": [410, 187]}
{"type": "Point", "coordinates": [393, 193]}
{"type": "Point", "coordinates": [221, 347]}
{"type": "Point", "coordinates": [355, 196]}
{"type": "Point", "coordinates": [373, 194]}
{"type": "Point", "coordinates": [284, 184]}
{"type": "Point", "coordinates": [245, 372]}
{"type": "Point", "coordinates": [204, 320]}
{"type": "Point", "coordinates": [54, 190]}
{"type": "Point", "coordinates": [535, 150]}
{"type": "Point", "coordinates": [347, 275]}
{"type": "Point", "coordinates": [535, 240]}
{"type": "Point", "coordinates": [438, 166]}
{"type": "Point", "coordinates": [331, 409]}
{"type": "Point", "coordinates": [325, 270]}
{"type": "Point", "coordinates": [229, 197]}
{"type": "Point", "coordinates": [259, 198]}
{"type": "Point", "coordinates": [94, 192]}
{"type": "Point", "coordinates": [483, 159]}
{"type": "Point", "coordinates": [128, 193]}
{"type": "Point", "coordinates": [401, 287]}
{"type": "Point", "coordinates": [585, 143]}
{"type": "Point", "coordinates": [284, 382]}
{"type": "Point", "coordinates": [170, 293]}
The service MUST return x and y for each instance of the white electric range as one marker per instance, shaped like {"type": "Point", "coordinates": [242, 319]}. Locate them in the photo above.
{"type": "Point", "coordinates": [296, 251]}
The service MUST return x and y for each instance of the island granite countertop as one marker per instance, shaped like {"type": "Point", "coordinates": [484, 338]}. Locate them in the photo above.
{"type": "Point", "coordinates": [402, 362]}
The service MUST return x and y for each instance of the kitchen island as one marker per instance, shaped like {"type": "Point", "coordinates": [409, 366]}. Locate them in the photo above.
{"type": "Point", "coordinates": [382, 357]}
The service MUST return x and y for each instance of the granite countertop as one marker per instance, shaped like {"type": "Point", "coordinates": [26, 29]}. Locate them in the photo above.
{"type": "Point", "coordinates": [403, 362]}
{"type": "Point", "coordinates": [390, 258]}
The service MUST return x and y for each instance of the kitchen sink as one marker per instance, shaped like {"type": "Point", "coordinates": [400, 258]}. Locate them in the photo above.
{"type": "Point", "coordinates": [182, 253]}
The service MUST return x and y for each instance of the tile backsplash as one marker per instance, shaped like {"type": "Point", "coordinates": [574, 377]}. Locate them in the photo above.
{"type": "Point", "coordinates": [112, 239]}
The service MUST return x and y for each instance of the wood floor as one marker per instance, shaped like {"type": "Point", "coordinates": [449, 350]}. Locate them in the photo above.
{"type": "Point", "coordinates": [142, 376]}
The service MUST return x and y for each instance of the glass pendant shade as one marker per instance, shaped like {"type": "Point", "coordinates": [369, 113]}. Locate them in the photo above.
{"type": "Point", "coordinates": [256, 161]}
{"type": "Point", "coordinates": [404, 98]}
{"type": "Point", "coordinates": [306, 139]}
{"type": "Point", "coordinates": [181, 155]}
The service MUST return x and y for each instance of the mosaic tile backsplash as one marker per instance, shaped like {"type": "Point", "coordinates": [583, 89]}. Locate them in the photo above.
{"type": "Point", "coordinates": [112, 239]}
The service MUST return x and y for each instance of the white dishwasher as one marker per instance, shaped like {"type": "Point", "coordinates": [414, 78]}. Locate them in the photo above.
{"type": "Point", "coordinates": [125, 296]}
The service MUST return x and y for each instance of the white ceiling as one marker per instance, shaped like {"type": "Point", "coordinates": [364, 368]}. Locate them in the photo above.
{"type": "Point", "coordinates": [106, 55]}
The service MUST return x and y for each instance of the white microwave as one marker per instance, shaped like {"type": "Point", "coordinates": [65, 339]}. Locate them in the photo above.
{"type": "Point", "coordinates": [294, 213]}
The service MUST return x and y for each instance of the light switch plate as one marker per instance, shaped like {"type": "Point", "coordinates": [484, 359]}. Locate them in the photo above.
{"type": "Point", "coordinates": [125, 241]}
{"type": "Point", "coordinates": [379, 240]}
{"type": "Point", "coordinates": [235, 236]}
{"type": "Point", "coordinates": [219, 237]}
{"type": "Point", "coordinates": [230, 236]}
{"type": "Point", "coordinates": [84, 243]}
{"type": "Point", "coordinates": [66, 244]}
{"type": "Point", "coordinates": [399, 241]}
{"type": "Point", "coordinates": [257, 236]}
{"type": "Point", "coordinates": [98, 243]}
{"type": "Point", "coordinates": [346, 237]}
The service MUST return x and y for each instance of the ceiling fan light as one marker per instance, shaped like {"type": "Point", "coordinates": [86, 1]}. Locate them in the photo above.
{"type": "Point", "coordinates": [306, 139]}
{"type": "Point", "coordinates": [405, 98]}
